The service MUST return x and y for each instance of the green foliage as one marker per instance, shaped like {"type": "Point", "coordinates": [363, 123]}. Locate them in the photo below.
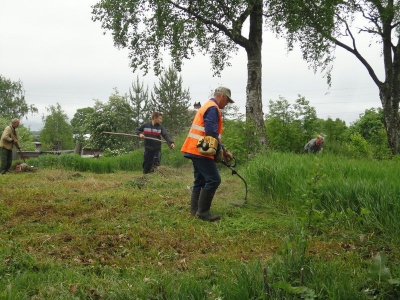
{"type": "Point", "coordinates": [379, 270]}
{"type": "Point", "coordinates": [380, 274]}
{"type": "Point", "coordinates": [139, 99]}
{"type": "Point", "coordinates": [12, 100]}
{"type": "Point", "coordinates": [333, 130]}
{"type": "Point", "coordinates": [147, 28]}
{"type": "Point", "coordinates": [78, 122]}
{"type": "Point", "coordinates": [320, 26]}
{"type": "Point", "coordinates": [371, 127]}
{"type": "Point", "coordinates": [111, 162]}
{"type": "Point", "coordinates": [353, 192]}
{"type": "Point", "coordinates": [113, 116]}
{"type": "Point", "coordinates": [302, 291]}
{"type": "Point", "coordinates": [236, 137]}
{"type": "Point", "coordinates": [169, 98]}
{"type": "Point", "coordinates": [102, 165]}
{"type": "Point", "coordinates": [289, 127]}
{"type": "Point", "coordinates": [358, 147]}
{"type": "Point", "coordinates": [56, 128]}
{"type": "Point", "coordinates": [369, 124]}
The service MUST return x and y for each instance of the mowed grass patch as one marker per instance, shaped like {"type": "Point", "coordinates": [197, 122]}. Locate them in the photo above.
{"type": "Point", "coordinates": [127, 218]}
{"type": "Point", "coordinates": [74, 235]}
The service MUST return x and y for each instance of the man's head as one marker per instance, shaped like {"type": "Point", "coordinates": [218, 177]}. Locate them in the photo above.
{"type": "Point", "coordinates": [223, 96]}
{"type": "Point", "coordinates": [156, 118]}
{"type": "Point", "coordinates": [15, 122]}
{"type": "Point", "coordinates": [319, 140]}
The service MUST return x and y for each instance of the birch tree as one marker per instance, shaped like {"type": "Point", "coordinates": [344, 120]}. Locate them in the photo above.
{"type": "Point", "coordinates": [183, 28]}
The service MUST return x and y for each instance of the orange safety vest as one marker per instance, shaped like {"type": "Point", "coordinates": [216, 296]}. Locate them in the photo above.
{"type": "Point", "coordinates": [197, 130]}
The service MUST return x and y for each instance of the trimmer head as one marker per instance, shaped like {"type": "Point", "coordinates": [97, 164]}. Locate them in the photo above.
{"type": "Point", "coordinates": [238, 202]}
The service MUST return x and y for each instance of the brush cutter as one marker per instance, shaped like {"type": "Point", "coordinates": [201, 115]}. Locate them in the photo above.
{"type": "Point", "coordinates": [230, 166]}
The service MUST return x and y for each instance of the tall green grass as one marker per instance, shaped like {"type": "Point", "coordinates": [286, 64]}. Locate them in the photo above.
{"type": "Point", "coordinates": [369, 189]}
{"type": "Point", "coordinates": [103, 165]}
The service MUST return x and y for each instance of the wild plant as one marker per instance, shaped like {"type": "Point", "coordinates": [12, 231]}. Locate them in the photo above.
{"type": "Point", "coordinates": [383, 283]}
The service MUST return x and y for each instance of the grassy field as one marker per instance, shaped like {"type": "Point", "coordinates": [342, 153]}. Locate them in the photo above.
{"type": "Point", "coordinates": [67, 234]}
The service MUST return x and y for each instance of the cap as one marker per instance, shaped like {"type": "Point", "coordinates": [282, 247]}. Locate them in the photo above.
{"type": "Point", "coordinates": [226, 92]}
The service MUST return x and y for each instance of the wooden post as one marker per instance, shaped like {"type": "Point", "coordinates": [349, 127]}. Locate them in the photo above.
{"type": "Point", "coordinates": [78, 148]}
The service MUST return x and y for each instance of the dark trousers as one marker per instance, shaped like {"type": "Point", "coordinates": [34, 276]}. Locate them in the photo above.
{"type": "Point", "coordinates": [6, 160]}
{"type": "Point", "coordinates": [206, 174]}
{"type": "Point", "coordinates": [151, 160]}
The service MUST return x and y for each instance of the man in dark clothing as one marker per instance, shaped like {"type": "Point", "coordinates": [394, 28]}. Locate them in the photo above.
{"type": "Point", "coordinates": [152, 149]}
{"type": "Point", "coordinates": [9, 138]}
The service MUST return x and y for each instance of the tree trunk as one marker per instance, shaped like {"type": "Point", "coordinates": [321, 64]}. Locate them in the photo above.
{"type": "Point", "coordinates": [254, 110]}
{"type": "Point", "coordinates": [389, 90]}
{"type": "Point", "coordinates": [390, 98]}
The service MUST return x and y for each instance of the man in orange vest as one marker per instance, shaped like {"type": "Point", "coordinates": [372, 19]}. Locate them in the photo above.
{"type": "Point", "coordinates": [202, 146]}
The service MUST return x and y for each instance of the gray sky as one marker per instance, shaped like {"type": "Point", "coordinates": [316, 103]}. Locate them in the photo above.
{"type": "Point", "coordinates": [61, 56]}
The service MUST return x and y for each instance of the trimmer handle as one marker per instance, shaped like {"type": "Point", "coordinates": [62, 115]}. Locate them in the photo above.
{"type": "Point", "coordinates": [231, 165]}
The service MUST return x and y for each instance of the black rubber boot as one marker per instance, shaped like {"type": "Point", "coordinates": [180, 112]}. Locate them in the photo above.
{"type": "Point", "coordinates": [194, 201]}
{"type": "Point", "coordinates": [203, 212]}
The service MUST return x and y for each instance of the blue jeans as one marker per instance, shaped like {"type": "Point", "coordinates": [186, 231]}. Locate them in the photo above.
{"type": "Point", "coordinates": [206, 174]}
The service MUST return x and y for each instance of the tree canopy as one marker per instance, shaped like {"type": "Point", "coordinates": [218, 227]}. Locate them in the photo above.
{"type": "Point", "coordinates": [148, 28]}
{"type": "Point", "coordinates": [321, 26]}
{"type": "Point", "coordinates": [56, 128]}
{"type": "Point", "coordinates": [113, 116]}
{"type": "Point", "coordinates": [12, 99]}
{"type": "Point", "coordinates": [170, 98]}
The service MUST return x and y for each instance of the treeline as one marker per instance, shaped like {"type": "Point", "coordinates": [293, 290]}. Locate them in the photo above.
{"type": "Point", "coordinates": [289, 126]}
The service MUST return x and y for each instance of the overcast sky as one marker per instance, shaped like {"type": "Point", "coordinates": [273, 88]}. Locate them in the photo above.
{"type": "Point", "coordinates": [61, 56]}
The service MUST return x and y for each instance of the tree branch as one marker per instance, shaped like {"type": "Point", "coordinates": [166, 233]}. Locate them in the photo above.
{"type": "Point", "coordinates": [360, 58]}
{"type": "Point", "coordinates": [237, 38]}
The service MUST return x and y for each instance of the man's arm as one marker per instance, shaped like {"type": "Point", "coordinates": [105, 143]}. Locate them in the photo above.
{"type": "Point", "coordinates": [7, 134]}
{"type": "Point", "coordinates": [211, 118]}
{"type": "Point", "coordinates": [165, 135]}
{"type": "Point", "coordinates": [140, 129]}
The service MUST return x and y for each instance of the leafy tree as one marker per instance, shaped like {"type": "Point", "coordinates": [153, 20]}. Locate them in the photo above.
{"type": "Point", "coordinates": [172, 101]}
{"type": "Point", "coordinates": [371, 127]}
{"type": "Point", "coordinates": [182, 27]}
{"type": "Point", "coordinates": [56, 128]}
{"type": "Point", "coordinates": [289, 127]}
{"type": "Point", "coordinates": [334, 130]}
{"type": "Point", "coordinates": [369, 123]}
{"type": "Point", "coordinates": [139, 99]}
{"type": "Point", "coordinates": [78, 122]}
{"type": "Point", "coordinates": [113, 116]}
{"type": "Point", "coordinates": [279, 124]}
{"type": "Point", "coordinates": [307, 116]}
{"type": "Point", "coordinates": [358, 147]}
{"type": "Point", "coordinates": [321, 26]}
{"type": "Point", "coordinates": [12, 99]}
{"type": "Point", "coordinates": [142, 110]}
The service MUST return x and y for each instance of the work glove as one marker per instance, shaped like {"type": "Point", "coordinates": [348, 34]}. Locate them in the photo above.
{"type": "Point", "coordinates": [228, 156]}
